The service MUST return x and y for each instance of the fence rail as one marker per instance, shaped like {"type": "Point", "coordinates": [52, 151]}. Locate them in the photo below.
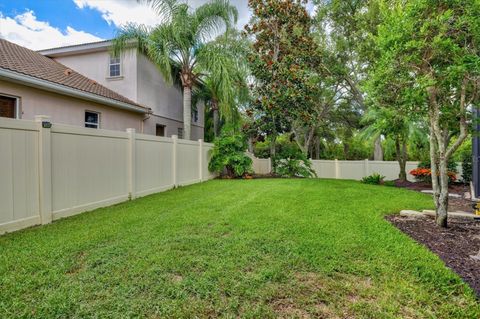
{"type": "Point", "coordinates": [355, 170]}
{"type": "Point", "coordinates": [51, 173]}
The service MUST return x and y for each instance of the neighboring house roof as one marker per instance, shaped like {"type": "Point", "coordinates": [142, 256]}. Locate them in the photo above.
{"type": "Point", "coordinates": [77, 48]}
{"type": "Point", "coordinates": [22, 65]}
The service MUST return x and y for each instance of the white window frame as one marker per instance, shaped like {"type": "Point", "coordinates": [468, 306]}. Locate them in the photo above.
{"type": "Point", "coordinates": [92, 123]}
{"type": "Point", "coordinates": [17, 105]}
{"type": "Point", "coordinates": [110, 64]}
{"type": "Point", "coordinates": [180, 132]}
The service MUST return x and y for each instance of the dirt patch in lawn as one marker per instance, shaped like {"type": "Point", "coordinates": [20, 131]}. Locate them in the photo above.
{"type": "Point", "coordinates": [454, 204]}
{"type": "Point", "coordinates": [455, 245]}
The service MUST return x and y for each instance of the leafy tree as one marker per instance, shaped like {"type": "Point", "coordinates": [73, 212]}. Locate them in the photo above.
{"type": "Point", "coordinates": [228, 155]}
{"type": "Point", "coordinates": [434, 47]}
{"type": "Point", "coordinates": [281, 59]}
{"type": "Point", "coordinates": [345, 29]}
{"type": "Point", "coordinates": [178, 45]}
{"type": "Point", "coordinates": [392, 124]}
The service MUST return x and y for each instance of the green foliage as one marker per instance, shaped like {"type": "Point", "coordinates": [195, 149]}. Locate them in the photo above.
{"type": "Point", "coordinates": [467, 169]}
{"type": "Point", "coordinates": [228, 155]}
{"type": "Point", "coordinates": [291, 162]}
{"type": "Point", "coordinates": [374, 179]}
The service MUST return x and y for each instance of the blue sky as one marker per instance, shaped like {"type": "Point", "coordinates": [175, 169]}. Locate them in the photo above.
{"type": "Point", "coordinates": [60, 14]}
{"type": "Point", "coordinates": [41, 24]}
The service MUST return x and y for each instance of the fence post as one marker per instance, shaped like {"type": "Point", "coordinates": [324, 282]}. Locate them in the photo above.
{"type": "Point", "coordinates": [45, 167]}
{"type": "Point", "coordinates": [367, 167]}
{"type": "Point", "coordinates": [200, 159]}
{"type": "Point", "coordinates": [131, 163]}
{"type": "Point", "coordinates": [337, 169]}
{"type": "Point", "coordinates": [174, 160]}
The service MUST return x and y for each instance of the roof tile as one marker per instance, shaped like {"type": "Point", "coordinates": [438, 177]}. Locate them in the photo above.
{"type": "Point", "coordinates": [22, 60]}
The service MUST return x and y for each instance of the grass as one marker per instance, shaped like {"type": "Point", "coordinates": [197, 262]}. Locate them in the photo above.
{"type": "Point", "coordinates": [250, 249]}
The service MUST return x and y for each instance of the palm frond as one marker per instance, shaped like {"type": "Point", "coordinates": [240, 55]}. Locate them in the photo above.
{"type": "Point", "coordinates": [131, 35]}
{"type": "Point", "coordinates": [165, 9]}
{"type": "Point", "coordinates": [212, 16]}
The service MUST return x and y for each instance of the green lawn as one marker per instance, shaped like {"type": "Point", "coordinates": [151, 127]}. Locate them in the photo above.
{"type": "Point", "coordinates": [247, 248]}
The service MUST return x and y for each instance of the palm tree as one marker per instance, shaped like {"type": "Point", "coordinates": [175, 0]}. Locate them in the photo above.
{"type": "Point", "coordinates": [395, 126]}
{"type": "Point", "coordinates": [178, 46]}
{"type": "Point", "coordinates": [224, 88]}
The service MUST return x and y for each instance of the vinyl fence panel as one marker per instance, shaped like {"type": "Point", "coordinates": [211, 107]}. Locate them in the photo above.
{"type": "Point", "coordinates": [19, 176]}
{"type": "Point", "coordinates": [50, 171]}
{"type": "Point", "coordinates": [88, 169]}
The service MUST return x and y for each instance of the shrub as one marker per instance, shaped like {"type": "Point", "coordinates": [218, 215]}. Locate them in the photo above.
{"type": "Point", "coordinates": [291, 162]}
{"type": "Point", "coordinates": [228, 156]}
{"type": "Point", "coordinates": [374, 179]}
{"type": "Point", "coordinates": [424, 174]}
{"type": "Point", "coordinates": [293, 167]}
{"type": "Point", "coordinates": [467, 169]}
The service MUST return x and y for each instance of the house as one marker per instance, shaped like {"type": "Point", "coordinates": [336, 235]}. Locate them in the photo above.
{"type": "Point", "coordinates": [136, 77]}
{"type": "Point", "coordinates": [32, 84]}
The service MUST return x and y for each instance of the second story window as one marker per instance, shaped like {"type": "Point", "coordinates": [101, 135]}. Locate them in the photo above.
{"type": "Point", "coordinates": [92, 119]}
{"type": "Point", "coordinates": [180, 132]}
{"type": "Point", "coordinates": [195, 116]}
{"type": "Point", "coordinates": [114, 66]}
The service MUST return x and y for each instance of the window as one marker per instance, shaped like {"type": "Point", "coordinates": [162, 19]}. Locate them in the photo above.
{"type": "Point", "coordinates": [92, 119]}
{"type": "Point", "coordinates": [160, 131]}
{"type": "Point", "coordinates": [8, 107]}
{"type": "Point", "coordinates": [114, 66]}
{"type": "Point", "coordinates": [195, 115]}
{"type": "Point", "coordinates": [180, 132]}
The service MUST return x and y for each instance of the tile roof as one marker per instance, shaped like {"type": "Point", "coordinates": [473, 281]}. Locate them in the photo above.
{"type": "Point", "coordinates": [22, 60]}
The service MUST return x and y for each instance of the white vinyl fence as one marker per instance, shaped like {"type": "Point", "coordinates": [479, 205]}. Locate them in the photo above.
{"type": "Point", "coordinates": [50, 173]}
{"type": "Point", "coordinates": [355, 170]}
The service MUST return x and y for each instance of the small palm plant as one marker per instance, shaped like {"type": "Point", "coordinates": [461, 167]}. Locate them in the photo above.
{"type": "Point", "coordinates": [179, 45]}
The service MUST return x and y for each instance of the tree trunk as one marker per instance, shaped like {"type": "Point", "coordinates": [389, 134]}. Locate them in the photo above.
{"type": "Point", "coordinates": [442, 208]}
{"type": "Point", "coordinates": [216, 119]}
{"type": "Point", "coordinates": [401, 150]}
{"type": "Point", "coordinates": [273, 153]}
{"type": "Point", "coordinates": [250, 145]}
{"type": "Point", "coordinates": [273, 146]}
{"type": "Point", "coordinates": [378, 152]}
{"type": "Point", "coordinates": [317, 148]}
{"type": "Point", "coordinates": [187, 112]}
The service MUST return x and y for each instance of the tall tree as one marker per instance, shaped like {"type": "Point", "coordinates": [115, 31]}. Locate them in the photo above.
{"type": "Point", "coordinates": [346, 26]}
{"type": "Point", "coordinates": [178, 45]}
{"type": "Point", "coordinates": [282, 58]}
{"type": "Point", "coordinates": [224, 88]}
{"type": "Point", "coordinates": [434, 45]}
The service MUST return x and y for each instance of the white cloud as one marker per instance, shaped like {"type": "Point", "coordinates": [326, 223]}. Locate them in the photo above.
{"type": "Point", "coordinates": [120, 12]}
{"type": "Point", "coordinates": [27, 31]}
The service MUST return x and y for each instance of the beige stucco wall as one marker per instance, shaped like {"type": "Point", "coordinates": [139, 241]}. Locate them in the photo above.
{"type": "Point", "coordinates": [141, 82]}
{"type": "Point", "coordinates": [171, 127]}
{"type": "Point", "coordinates": [68, 110]}
{"type": "Point", "coordinates": [95, 65]}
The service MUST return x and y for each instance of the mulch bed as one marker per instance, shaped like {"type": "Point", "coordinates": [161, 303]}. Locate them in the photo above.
{"type": "Point", "coordinates": [454, 245]}
{"type": "Point", "coordinates": [454, 204]}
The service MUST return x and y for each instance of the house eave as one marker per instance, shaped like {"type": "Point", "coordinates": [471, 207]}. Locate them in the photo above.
{"type": "Point", "coordinates": [76, 49]}
{"type": "Point", "coordinates": [65, 90]}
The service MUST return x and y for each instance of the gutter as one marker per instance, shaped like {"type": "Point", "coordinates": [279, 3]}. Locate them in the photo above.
{"type": "Point", "coordinates": [65, 90]}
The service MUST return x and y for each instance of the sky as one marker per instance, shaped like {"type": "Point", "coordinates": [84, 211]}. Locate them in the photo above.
{"type": "Point", "coordinates": [43, 24]}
